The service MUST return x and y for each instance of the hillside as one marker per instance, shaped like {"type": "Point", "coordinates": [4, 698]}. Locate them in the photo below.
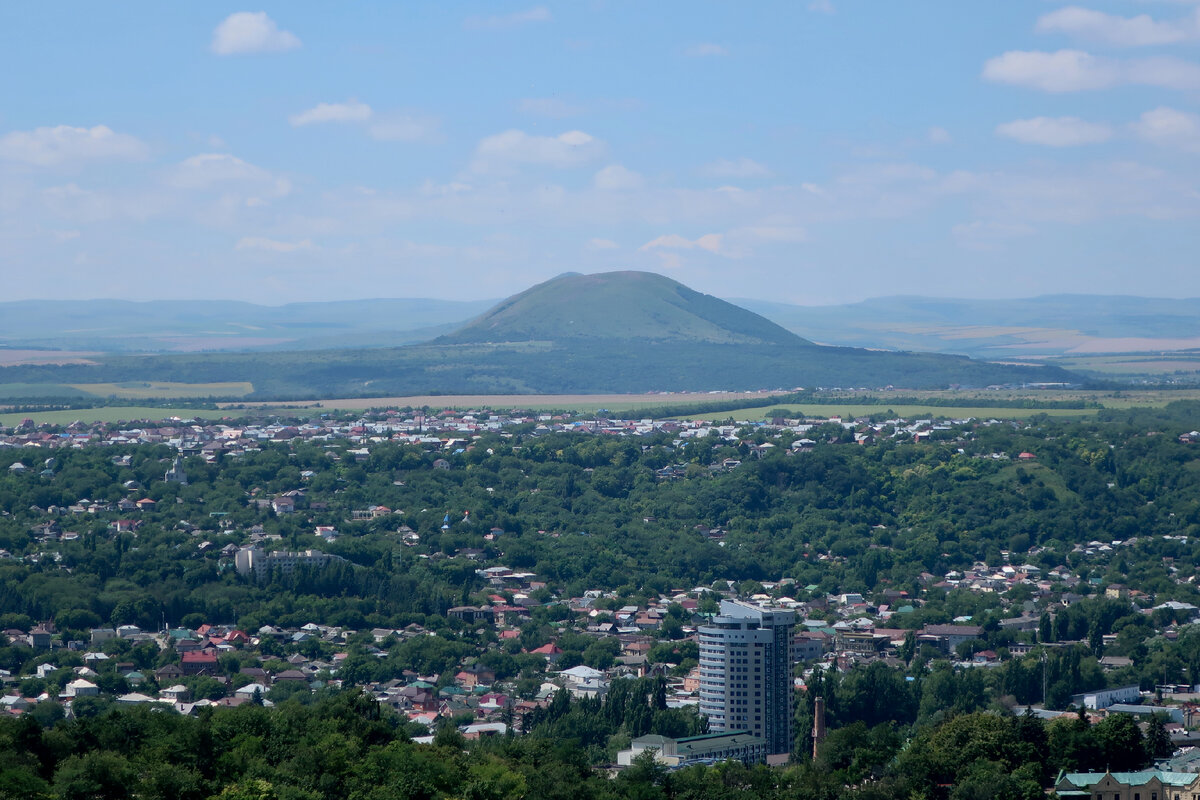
{"type": "Point", "coordinates": [612, 332]}
{"type": "Point", "coordinates": [1050, 325]}
{"type": "Point", "coordinates": [619, 306]}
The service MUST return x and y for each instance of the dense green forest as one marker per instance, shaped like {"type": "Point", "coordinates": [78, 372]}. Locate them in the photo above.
{"type": "Point", "coordinates": [343, 746]}
{"type": "Point", "coordinates": [542, 367]}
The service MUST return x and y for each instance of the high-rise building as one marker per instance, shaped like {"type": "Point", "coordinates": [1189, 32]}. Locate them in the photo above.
{"type": "Point", "coordinates": [746, 673]}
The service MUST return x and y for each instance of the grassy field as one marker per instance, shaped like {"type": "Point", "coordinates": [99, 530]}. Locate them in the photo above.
{"type": "Point", "coordinates": [536, 402]}
{"type": "Point", "coordinates": [108, 414]}
{"type": "Point", "coordinates": [165, 390]}
{"type": "Point", "coordinates": [15, 392]}
{"type": "Point", "coordinates": [907, 411]}
{"type": "Point", "coordinates": [757, 404]}
{"type": "Point", "coordinates": [1131, 364]}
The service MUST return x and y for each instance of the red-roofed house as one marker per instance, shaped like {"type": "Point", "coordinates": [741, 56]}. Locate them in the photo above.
{"type": "Point", "coordinates": [199, 662]}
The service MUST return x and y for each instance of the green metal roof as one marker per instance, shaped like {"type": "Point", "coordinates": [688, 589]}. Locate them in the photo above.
{"type": "Point", "coordinates": [1085, 779]}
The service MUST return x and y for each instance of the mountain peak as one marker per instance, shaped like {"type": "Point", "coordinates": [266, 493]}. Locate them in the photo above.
{"type": "Point", "coordinates": [625, 305]}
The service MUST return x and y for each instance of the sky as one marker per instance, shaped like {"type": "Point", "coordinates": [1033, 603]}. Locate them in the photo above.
{"type": "Point", "coordinates": [807, 151]}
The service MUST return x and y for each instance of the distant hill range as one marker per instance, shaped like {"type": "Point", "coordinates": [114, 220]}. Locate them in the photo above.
{"type": "Point", "coordinates": [646, 306]}
{"type": "Point", "coordinates": [216, 325]}
{"type": "Point", "coordinates": [1051, 325]}
{"type": "Point", "coordinates": [611, 332]}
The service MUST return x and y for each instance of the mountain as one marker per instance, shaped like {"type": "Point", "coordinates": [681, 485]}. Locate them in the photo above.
{"type": "Point", "coordinates": [576, 334]}
{"type": "Point", "coordinates": [620, 306]}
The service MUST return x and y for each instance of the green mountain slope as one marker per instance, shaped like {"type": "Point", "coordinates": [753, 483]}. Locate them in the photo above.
{"type": "Point", "coordinates": [620, 306]}
{"type": "Point", "coordinates": [612, 332]}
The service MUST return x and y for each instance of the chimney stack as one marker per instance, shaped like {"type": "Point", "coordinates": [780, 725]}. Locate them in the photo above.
{"type": "Point", "coordinates": [818, 729]}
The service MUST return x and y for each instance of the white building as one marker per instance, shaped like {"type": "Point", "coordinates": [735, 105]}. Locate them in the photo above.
{"type": "Point", "coordinates": [745, 673]}
{"type": "Point", "coordinates": [254, 559]}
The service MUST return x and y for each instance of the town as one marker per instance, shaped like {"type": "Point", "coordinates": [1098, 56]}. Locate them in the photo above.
{"type": "Point", "coordinates": [493, 663]}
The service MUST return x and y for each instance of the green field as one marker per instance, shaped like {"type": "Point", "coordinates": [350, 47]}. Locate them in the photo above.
{"type": "Point", "coordinates": [107, 414]}
{"type": "Point", "coordinates": [1164, 363]}
{"type": "Point", "coordinates": [23, 391]}
{"type": "Point", "coordinates": [165, 390]}
{"type": "Point", "coordinates": [849, 411]}
{"type": "Point", "coordinates": [584, 403]}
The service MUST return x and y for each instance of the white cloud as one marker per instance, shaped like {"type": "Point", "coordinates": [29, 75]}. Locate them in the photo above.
{"type": "Point", "coordinates": [272, 245]}
{"type": "Point", "coordinates": [1055, 131]}
{"type": "Point", "coordinates": [602, 244]}
{"type": "Point", "coordinates": [514, 147]}
{"type": "Point", "coordinates": [251, 32]}
{"type": "Point", "coordinates": [516, 19]}
{"type": "Point", "coordinates": [938, 135]}
{"type": "Point", "coordinates": [616, 177]}
{"type": "Point", "coordinates": [404, 128]}
{"type": "Point", "coordinates": [48, 147]}
{"type": "Point", "coordinates": [1075, 70]}
{"type": "Point", "coordinates": [389, 127]}
{"type": "Point", "coordinates": [350, 111]}
{"type": "Point", "coordinates": [736, 168]}
{"type": "Point", "coordinates": [706, 49]}
{"type": "Point", "coordinates": [1169, 127]}
{"type": "Point", "coordinates": [821, 6]}
{"type": "Point", "coordinates": [1098, 26]}
{"type": "Point", "coordinates": [673, 241]}
{"type": "Point", "coordinates": [220, 170]}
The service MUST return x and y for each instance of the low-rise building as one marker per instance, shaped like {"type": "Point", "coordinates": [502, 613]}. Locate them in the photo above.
{"type": "Point", "coordinates": [734, 745]}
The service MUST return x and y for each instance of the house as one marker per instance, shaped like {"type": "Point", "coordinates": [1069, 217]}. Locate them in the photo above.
{"type": "Point", "coordinates": [81, 688]}
{"type": "Point", "coordinates": [580, 674]}
{"type": "Point", "coordinates": [101, 635]}
{"type": "Point", "coordinates": [551, 651]}
{"type": "Point", "coordinates": [198, 662]}
{"type": "Point", "coordinates": [283, 505]}
{"type": "Point", "coordinates": [39, 638]}
{"type": "Point", "coordinates": [466, 680]}
{"type": "Point", "coordinates": [1149, 783]}
{"type": "Point", "coordinates": [168, 673]}
{"type": "Point", "coordinates": [177, 693]}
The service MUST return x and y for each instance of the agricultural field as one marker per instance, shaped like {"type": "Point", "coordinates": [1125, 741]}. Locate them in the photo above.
{"type": "Point", "coordinates": [165, 390]}
{"type": "Point", "coordinates": [564, 402]}
{"type": "Point", "coordinates": [848, 410]}
{"type": "Point", "coordinates": [107, 414]}
{"type": "Point", "coordinates": [1129, 364]}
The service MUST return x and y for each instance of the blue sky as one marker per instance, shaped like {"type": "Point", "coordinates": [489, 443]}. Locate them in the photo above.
{"type": "Point", "coordinates": [808, 151]}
